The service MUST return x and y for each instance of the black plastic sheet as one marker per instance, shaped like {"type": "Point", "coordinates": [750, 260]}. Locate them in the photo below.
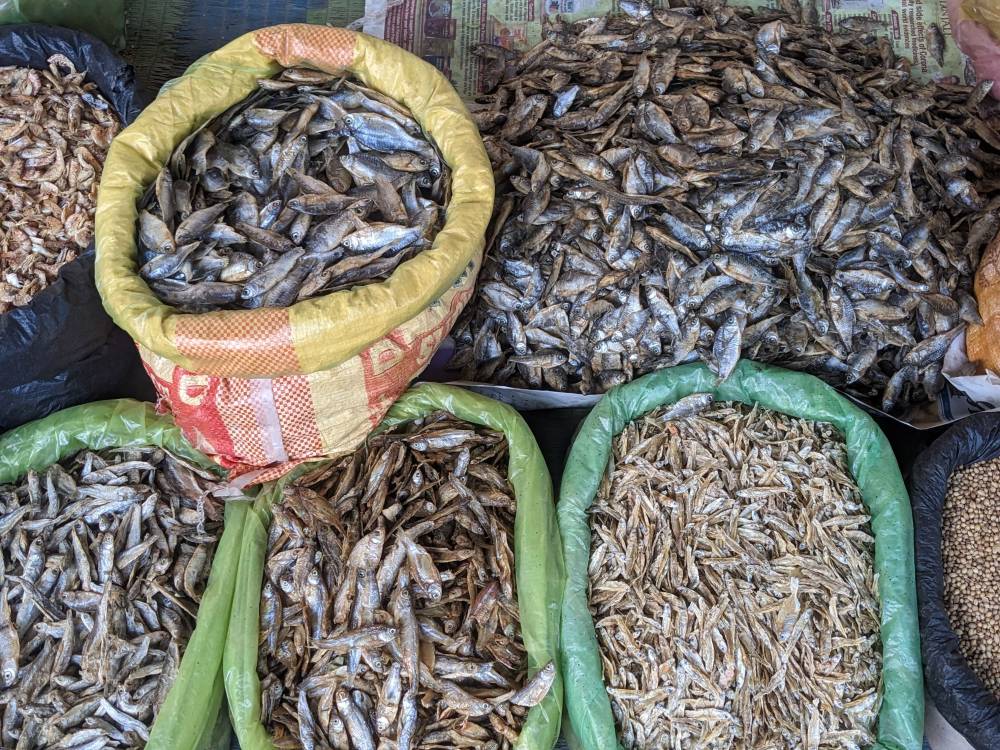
{"type": "Point", "coordinates": [62, 349]}
{"type": "Point", "coordinates": [962, 699]}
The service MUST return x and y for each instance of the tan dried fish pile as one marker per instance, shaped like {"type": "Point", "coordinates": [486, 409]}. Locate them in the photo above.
{"type": "Point", "coordinates": [104, 563]}
{"type": "Point", "coordinates": [389, 611]}
{"type": "Point", "coordinates": [704, 181]}
{"type": "Point", "coordinates": [732, 585]}
{"type": "Point", "coordinates": [55, 129]}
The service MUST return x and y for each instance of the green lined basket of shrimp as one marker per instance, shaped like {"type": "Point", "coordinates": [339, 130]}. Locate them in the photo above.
{"type": "Point", "coordinates": [740, 569]}
{"type": "Point", "coordinates": [404, 595]}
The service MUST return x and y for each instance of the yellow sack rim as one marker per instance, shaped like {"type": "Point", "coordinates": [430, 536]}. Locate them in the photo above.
{"type": "Point", "coordinates": [315, 334]}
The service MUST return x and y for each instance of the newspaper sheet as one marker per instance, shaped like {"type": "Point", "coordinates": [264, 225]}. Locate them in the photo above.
{"type": "Point", "coordinates": [446, 32]}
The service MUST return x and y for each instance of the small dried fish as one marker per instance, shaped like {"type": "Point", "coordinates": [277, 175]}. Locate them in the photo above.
{"type": "Point", "coordinates": [732, 584]}
{"type": "Point", "coordinates": [56, 129]}
{"type": "Point", "coordinates": [709, 182]}
{"type": "Point", "coordinates": [105, 558]}
{"type": "Point", "coordinates": [313, 183]}
{"type": "Point", "coordinates": [389, 611]}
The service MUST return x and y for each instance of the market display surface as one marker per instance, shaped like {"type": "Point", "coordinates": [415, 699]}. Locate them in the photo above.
{"type": "Point", "coordinates": [969, 524]}
{"type": "Point", "coordinates": [56, 129]}
{"type": "Point", "coordinates": [312, 184]}
{"type": "Point", "coordinates": [389, 611]}
{"type": "Point", "coordinates": [707, 182]}
{"type": "Point", "coordinates": [732, 583]}
{"type": "Point", "coordinates": [105, 559]}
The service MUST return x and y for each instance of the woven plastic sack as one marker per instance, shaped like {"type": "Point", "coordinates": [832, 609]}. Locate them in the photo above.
{"type": "Point", "coordinates": [537, 558]}
{"type": "Point", "coordinates": [957, 692]}
{"type": "Point", "coordinates": [265, 389]}
{"type": "Point", "coordinates": [901, 719]}
{"type": "Point", "coordinates": [191, 717]}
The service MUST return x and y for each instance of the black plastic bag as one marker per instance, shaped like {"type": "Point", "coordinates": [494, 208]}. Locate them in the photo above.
{"type": "Point", "coordinates": [956, 691]}
{"type": "Point", "coordinates": [62, 349]}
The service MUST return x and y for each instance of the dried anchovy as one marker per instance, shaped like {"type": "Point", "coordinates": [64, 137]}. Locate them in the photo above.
{"type": "Point", "coordinates": [389, 612]}
{"type": "Point", "coordinates": [732, 583]}
{"type": "Point", "coordinates": [708, 182]}
{"type": "Point", "coordinates": [104, 561]}
{"type": "Point", "coordinates": [311, 184]}
{"type": "Point", "coordinates": [55, 130]}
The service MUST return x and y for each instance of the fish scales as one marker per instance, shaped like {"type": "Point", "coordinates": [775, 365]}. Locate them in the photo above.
{"type": "Point", "coordinates": [311, 184]}
{"type": "Point", "coordinates": [645, 155]}
{"type": "Point", "coordinates": [56, 129]}
{"type": "Point", "coordinates": [389, 585]}
{"type": "Point", "coordinates": [732, 583]}
{"type": "Point", "coordinates": [103, 573]}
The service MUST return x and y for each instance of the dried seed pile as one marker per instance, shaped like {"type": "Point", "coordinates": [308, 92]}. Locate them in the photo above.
{"type": "Point", "coordinates": [104, 561]}
{"type": "Point", "coordinates": [389, 612]}
{"type": "Point", "coordinates": [969, 524]}
{"type": "Point", "coordinates": [707, 182]}
{"type": "Point", "coordinates": [311, 184]}
{"type": "Point", "coordinates": [732, 583]}
{"type": "Point", "coordinates": [55, 130]}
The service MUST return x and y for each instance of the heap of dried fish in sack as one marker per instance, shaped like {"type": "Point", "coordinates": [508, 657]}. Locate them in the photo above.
{"type": "Point", "coordinates": [707, 182]}
{"type": "Point", "coordinates": [732, 583]}
{"type": "Point", "coordinates": [388, 613]}
{"type": "Point", "coordinates": [56, 130]}
{"type": "Point", "coordinates": [311, 184]}
{"type": "Point", "coordinates": [104, 562]}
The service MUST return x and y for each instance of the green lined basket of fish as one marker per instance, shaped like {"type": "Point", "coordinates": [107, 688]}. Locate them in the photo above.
{"type": "Point", "coordinates": [112, 550]}
{"type": "Point", "coordinates": [740, 569]}
{"type": "Point", "coordinates": [404, 595]}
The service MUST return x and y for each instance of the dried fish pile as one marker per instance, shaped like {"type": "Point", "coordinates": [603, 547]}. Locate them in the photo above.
{"type": "Point", "coordinates": [104, 564]}
{"type": "Point", "coordinates": [969, 522]}
{"type": "Point", "coordinates": [702, 181]}
{"type": "Point", "coordinates": [389, 614]}
{"type": "Point", "coordinates": [56, 130]}
{"type": "Point", "coordinates": [732, 583]}
{"type": "Point", "coordinates": [311, 184]}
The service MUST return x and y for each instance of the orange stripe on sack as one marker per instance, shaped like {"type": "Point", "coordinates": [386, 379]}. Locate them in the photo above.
{"type": "Point", "coordinates": [259, 341]}
{"type": "Point", "coordinates": [297, 415]}
{"type": "Point", "coordinates": [322, 47]}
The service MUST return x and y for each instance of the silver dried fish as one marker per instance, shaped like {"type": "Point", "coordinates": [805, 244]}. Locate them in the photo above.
{"type": "Point", "coordinates": [708, 182]}
{"type": "Point", "coordinates": [732, 585]}
{"type": "Point", "coordinates": [313, 183]}
{"type": "Point", "coordinates": [389, 611]}
{"type": "Point", "coordinates": [105, 558]}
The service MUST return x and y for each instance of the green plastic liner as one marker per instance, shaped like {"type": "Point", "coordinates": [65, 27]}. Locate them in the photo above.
{"type": "Point", "coordinates": [191, 717]}
{"type": "Point", "coordinates": [537, 554]}
{"type": "Point", "coordinates": [901, 719]}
